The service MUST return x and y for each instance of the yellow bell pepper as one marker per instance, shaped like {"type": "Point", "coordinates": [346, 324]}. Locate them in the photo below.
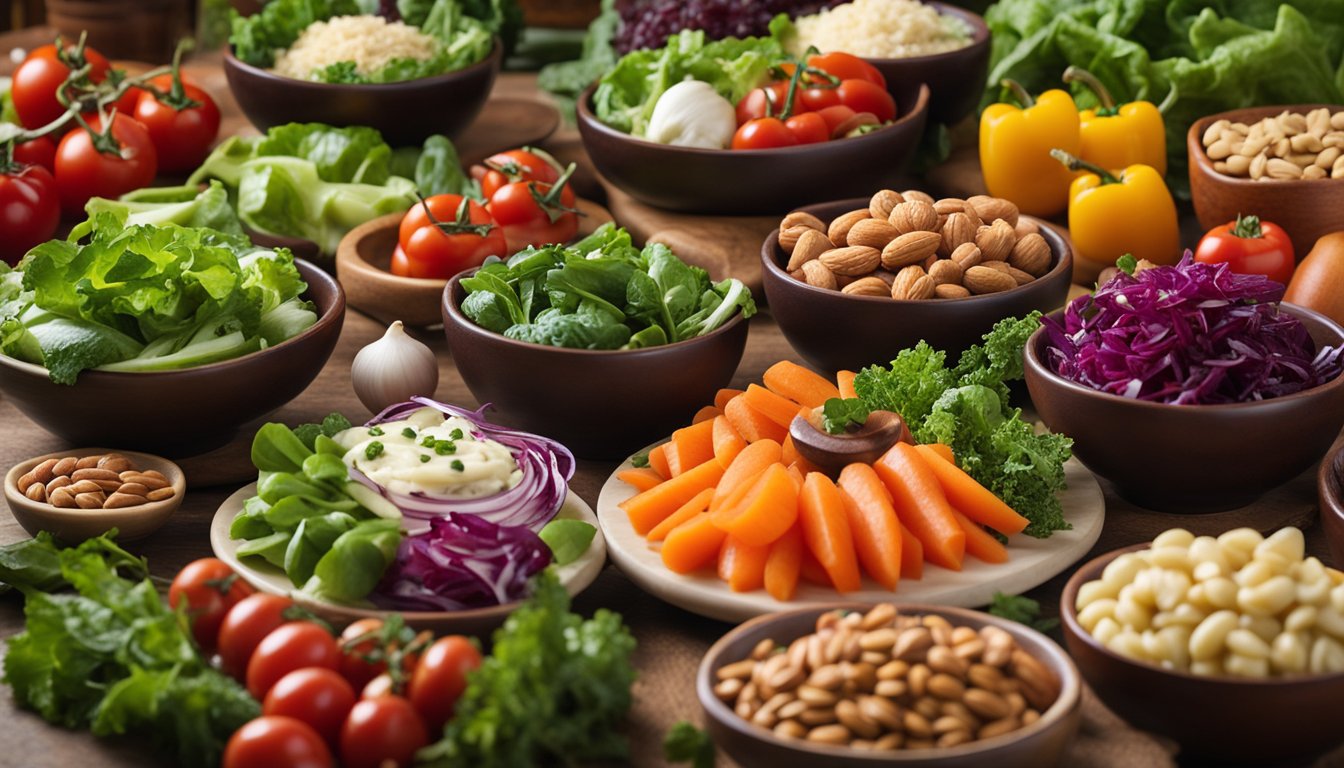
{"type": "Point", "coordinates": [1112, 214]}
{"type": "Point", "coordinates": [1015, 149]}
{"type": "Point", "coordinates": [1118, 137]}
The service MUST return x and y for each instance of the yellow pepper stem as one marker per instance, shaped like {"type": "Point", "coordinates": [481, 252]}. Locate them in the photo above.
{"type": "Point", "coordinates": [1020, 93]}
{"type": "Point", "coordinates": [1079, 75]}
{"type": "Point", "coordinates": [1074, 163]}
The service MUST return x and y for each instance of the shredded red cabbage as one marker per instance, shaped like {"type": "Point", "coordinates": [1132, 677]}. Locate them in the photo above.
{"type": "Point", "coordinates": [462, 561]}
{"type": "Point", "coordinates": [1191, 334]}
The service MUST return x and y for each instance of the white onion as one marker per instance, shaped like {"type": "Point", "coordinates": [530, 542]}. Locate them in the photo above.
{"type": "Point", "coordinates": [393, 369]}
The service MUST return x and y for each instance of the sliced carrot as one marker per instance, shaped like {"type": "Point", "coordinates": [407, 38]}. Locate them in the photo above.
{"type": "Point", "coordinates": [826, 531]}
{"type": "Point", "coordinates": [692, 545]}
{"type": "Point", "coordinates": [727, 443]}
{"type": "Point", "coordinates": [673, 458]}
{"type": "Point", "coordinates": [651, 507]}
{"type": "Point", "coordinates": [749, 464]}
{"type": "Point", "coordinates": [642, 479]}
{"type": "Point", "coordinates": [789, 451]}
{"type": "Point", "coordinates": [705, 414]}
{"type": "Point", "coordinates": [979, 543]}
{"type": "Point", "coordinates": [698, 503]}
{"type": "Point", "coordinates": [769, 509]}
{"type": "Point", "coordinates": [780, 410]}
{"type": "Point", "coordinates": [877, 531]}
{"type": "Point", "coordinates": [742, 565]}
{"type": "Point", "coordinates": [695, 444]}
{"type": "Point", "coordinates": [922, 507]}
{"type": "Point", "coordinates": [784, 564]}
{"type": "Point", "coordinates": [658, 461]}
{"type": "Point", "coordinates": [942, 449]}
{"type": "Point", "coordinates": [971, 498]}
{"type": "Point", "coordinates": [845, 383]}
{"type": "Point", "coordinates": [811, 570]}
{"type": "Point", "coordinates": [722, 397]}
{"type": "Point", "coordinates": [912, 556]}
{"type": "Point", "coordinates": [798, 384]}
{"type": "Point", "coordinates": [796, 472]}
{"type": "Point", "coordinates": [750, 423]}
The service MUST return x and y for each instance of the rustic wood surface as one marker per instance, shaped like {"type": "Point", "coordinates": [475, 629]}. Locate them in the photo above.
{"type": "Point", "coordinates": [671, 641]}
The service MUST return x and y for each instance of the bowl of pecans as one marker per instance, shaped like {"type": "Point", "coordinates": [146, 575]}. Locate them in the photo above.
{"type": "Point", "coordinates": [82, 493]}
{"type": "Point", "coordinates": [852, 283]}
{"type": "Point", "coordinates": [858, 685]}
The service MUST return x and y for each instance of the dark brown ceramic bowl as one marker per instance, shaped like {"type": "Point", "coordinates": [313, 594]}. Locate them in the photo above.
{"type": "Point", "coordinates": [601, 404]}
{"type": "Point", "coordinates": [181, 413]}
{"type": "Point", "coordinates": [725, 181]}
{"type": "Point", "coordinates": [1306, 209]}
{"type": "Point", "coordinates": [1330, 488]}
{"type": "Point", "coordinates": [1222, 720]}
{"type": "Point", "coordinates": [956, 79]}
{"type": "Point", "coordinates": [405, 113]}
{"type": "Point", "coordinates": [1038, 745]}
{"type": "Point", "coordinates": [1192, 458]}
{"type": "Point", "coordinates": [835, 331]}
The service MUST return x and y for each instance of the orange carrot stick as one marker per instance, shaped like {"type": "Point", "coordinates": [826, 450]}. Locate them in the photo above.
{"type": "Point", "coordinates": [722, 397]}
{"type": "Point", "coordinates": [695, 444]}
{"type": "Point", "coordinates": [642, 479]}
{"type": "Point", "coordinates": [698, 503]}
{"type": "Point", "coordinates": [826, 531]}
{"type": "Point", "coordinates": [658, 461]}
{"type": "Point", "coordinates": [912, 556]}
{"type": "Point", "coordinates": [750, 423]}
{"type": "Point", "coordinates": [780, 410]}
{"type": "Point", "coordinates": [942, 449]}
{"type": "Point", "coordinates": [798, 384]}
{"type": "Point", "coordinates": [811, 570]}
{"type": "Point", "coordinates": [922, 507]}
{"type": "Point", "coordinates": [765, 513]}
{"type": "Point", "coordinates": [651, 507]}
{"type": "Point", "coordinates": [845, 383]}
{"type": "Point", "coordinates": [971, 498]}
{"type": "Point", "coordinates": [692, 545]}
{"type": "Point", "coordinates": [706, 413]}
{"type": "Point", "coordinates": [877, 531]}
{"type": "Point", "coordinates": [979, 543]}
{"type": "Point", "coordinates": [750, 463]}
{"type": "Point", "coordinates": [727, 443]}
{"type": "Point", "coordinates": [742, 565]}
{"type": "Point", "coordinates": [784, 564]}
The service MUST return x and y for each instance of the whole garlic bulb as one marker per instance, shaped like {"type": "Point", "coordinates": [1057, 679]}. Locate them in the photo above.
{"type": "Point", "coordinates": [392, 369]}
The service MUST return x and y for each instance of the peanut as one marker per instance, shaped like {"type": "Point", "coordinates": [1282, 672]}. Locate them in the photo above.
{"type": "Point", "coordinates": [1265, 150]}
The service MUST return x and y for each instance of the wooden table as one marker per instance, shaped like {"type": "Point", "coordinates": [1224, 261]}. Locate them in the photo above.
{"type": "Point", "coordinates": [671, 641]}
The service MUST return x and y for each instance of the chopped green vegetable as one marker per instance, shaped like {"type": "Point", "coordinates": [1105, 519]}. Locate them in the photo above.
{"type": "Point", "coordinates": [425, 458]}
{"type": "Point", "coordinates": [1127, 263]}
{"type": "Point", "coordinates": [568, 539]}
{"type": "Point", "coordinates": [837, 414]}
{"type": "Point", "coordinates": [408, 433]}
{"type": "Point", "coordinates": [373, 450]}
{"type": "Point", "coordinates": [685, 743]}
{"type": "Point", "coordinates": [1021, 609]}
{"type": "Point", "coordinates": [640, 460]}
{"type": "Point", "coordinates": [458, 465]}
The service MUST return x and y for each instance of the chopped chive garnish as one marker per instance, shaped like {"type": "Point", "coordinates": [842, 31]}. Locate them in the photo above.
{"type": "Point", "coordinates": [374, 450]}
{"type": "Point", "coordinates": [408, 433]}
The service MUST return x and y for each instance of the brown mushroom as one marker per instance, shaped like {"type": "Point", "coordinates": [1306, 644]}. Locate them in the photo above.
{"type": "Point", "coordinates": [865, 445]}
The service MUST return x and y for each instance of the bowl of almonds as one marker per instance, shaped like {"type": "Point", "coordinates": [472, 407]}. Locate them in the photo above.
{"type": "Point", "coordinates": [82, 493]}
{"type": "Point", "coordinates": [889, 684]}
{"type": "Point", "coordinates": [853, 282]}
{"type": "Point", "coordinates": [1284, 164]}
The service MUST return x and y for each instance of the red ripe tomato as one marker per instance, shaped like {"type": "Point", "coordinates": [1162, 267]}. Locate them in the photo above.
{"type": "Point", "coordinates": [318, 697]}
{"type": "Point", "coordinates": [182, 134]}
{"type": "Point", "coordinates": [808, 128]}
{"type": "Point", "coordinates": [30, 210]}
{"type": "Point", "coordinates": [765, 133]}
{"type": "Point", "coordinates": [292, 646]}
{"type": "Point", "coordinates": [378, 686]}
{"type": "Point", "coordinates": [1250, 247]}
{"type": "Point", "coordinates": [41, 74]}
{"type": "Point", "coordinates": [836, 116]}
{"type": "Point", "coordinates": [40, 151]}
{"type": "Point", "coordinates": [524, 164]}
{"type": "Point", "coordinates": [765, 101]}
{"type": "Point", "coordinates": [818, 98]}
{"type": "Point", "coordinates": [536, 213]}
{"type": "Point", "coordinates": [441, 677]}
{"type": "Point", "coordinates": [82, 171]}
{"type": "Point", "coordinates": [867, 96]}
{"type": "Point", "coordinates": [276, 742]}
{"type": "Point", "coordinates": [210, 588]}
{"type": "Point", "coordinates": [847, 66]}
{"type": "Point", "coordinates": [382, 731]}
{"type": "Point", "coordinates": [444, 235]}
{"type": "Point", "coordinates": [245, 626]}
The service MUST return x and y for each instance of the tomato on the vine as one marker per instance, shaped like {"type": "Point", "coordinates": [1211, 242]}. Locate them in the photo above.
{"type": "Point", "coordinates": [764, 133]}
{"type": "Point", "coordinates": [847, 66]}
{"type": "Point", "coordinates": [83, 170]}
{"type": "Point", "coordinates": [42, 73]}
{"type": "Point", "coordinates": [525, 164]}
{"type": "Point", "coordinates": [867, 96]}
{"type": "Point", "coordinates": [40, 151]}
{"type": "Point", "coordinates": [276, 742]}
{"type": "Point", "coordinates": [246, 625]}
{"type": "Point", "coordinates": [182, 123]}
{"type": "Point", "coordinates": [836, 116]}
{"type": "Point", "coordinates": [292, 646]}
{"type": "Point", "coordinates": [819, 97]}
{"type": "Point", "coordinates": [30, 209]}
{"type": "Point", "coordinates": [441, 677]}
{"type": "Point", "coordinates": [808, 128]}
{"type": "Point", "coordinates": [315, 696]}
{"type": "Point", "coordinates": [765, 101]}
{"type": "Point", "coordinates": [210, 588]}
{"type": "Point", "coordinates": [444, 235]}
{"type": "Point", "coordinates": [382, 731]}
{"type": "Point", "coordinates": [536, 213]}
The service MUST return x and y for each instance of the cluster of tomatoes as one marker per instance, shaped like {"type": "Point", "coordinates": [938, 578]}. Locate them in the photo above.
{"type": "Point", "coordinates": [161, 125]}
{"type": "Point", "coordinates": [834, 95]}
{"type": "Point", "coordinates": [528, 202]}
{"type": "Point", "coordinates": [373, 696]}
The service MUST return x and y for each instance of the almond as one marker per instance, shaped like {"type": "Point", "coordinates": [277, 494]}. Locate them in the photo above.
{"type": "Point", "coordinates": [950, 205]}
{"type": "Point", "coordinates": [950, 291]}
{"type": "Point", "coordinates": [879, 207]}
{"type": "Point", "coordinates": [887, 277]}
{"type": "Point", "coordinates": [910, 248]}
{"type": "Point", "coordinates": [915, 194]}
{"type": "Point", "coordinates": [802, 219]}
{"type": "Point", "coordinates": [959, 228]}
{"type": "Point", "coordinates": [913, 216]}
{"type": "Point", "coordinates": [817, 274]}
{"type": "Point", "coordinates": [852, 260]}
{"type": "Point", "coordinates": [1019, 277]}
{"type": "Point", "coordinates": [788, 238]}
{"type": "Point", "coordinates": [874, 233]}
{"type": "Point", "coordinates": [981, 280]}
{"type": "Point", "coordinates": [867, 286]}
{"type": "Point", "coordinates": [1025, 227]}
{"type": "Point", "coordinates": [996, 241]}
{"type": "Point", "coordinates": [912, 284]}
{"type": "Point", "coordinates": [946, 271]}
{"type": "Point", "coordinates": [841, 225]}
{"type": "Point", "coordinates": [811, 244]}
{"type": "Point", "coordinates": [1031, 254]}
{"type": "Point", "coordinates": [967, 255]}
{"type": "Point", "coordinates": [991, 209]}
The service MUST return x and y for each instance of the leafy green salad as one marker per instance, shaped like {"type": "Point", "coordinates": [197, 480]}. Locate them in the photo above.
{"type": "Point", "coordinates": [601, 293]}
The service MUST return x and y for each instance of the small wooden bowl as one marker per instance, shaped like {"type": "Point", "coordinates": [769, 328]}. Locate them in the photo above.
{"type": "Point", "coordinates": [1306, 209]}
{"type": "Point", "coordinates": [72, 526]}
{"type": "Point", "coordinates": [1330, 489]}
{"type": "Point", "coordinates": [956, 79]}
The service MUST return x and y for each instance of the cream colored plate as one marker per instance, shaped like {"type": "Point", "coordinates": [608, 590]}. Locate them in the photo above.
{"type": "Point", "coordinates": [1031, 562]}
{"type": "Point", "coordinates": [576, 576]}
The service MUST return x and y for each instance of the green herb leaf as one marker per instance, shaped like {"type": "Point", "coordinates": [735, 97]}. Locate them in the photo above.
{"type": "Point", "coordinates": [1127, 264]}
{"type": "Point", "coordinates": [1021, 609]}
{"type": "Point", "coordinates": [640, 460]}
{"type": "Point", "coordinates": [373, 450]}
{"type": "Point", "coordinates": [838, 415]}
{"type": "Point", "coordinates": [568, 539]}
{"type": "Point", "coordinates": [685, 743]}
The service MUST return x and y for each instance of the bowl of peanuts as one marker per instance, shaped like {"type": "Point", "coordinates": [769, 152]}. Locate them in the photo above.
{"type": "Point", "coordinates": [82, 493]}
{"type": "Point", "coordinates": [853, 282]}
{"type": "Point", "coordinates": [1233, 646]}
{"type": "Point", "coordinates": [859, 685]}
{"type": "Point", "coordinates": [1284, 164]}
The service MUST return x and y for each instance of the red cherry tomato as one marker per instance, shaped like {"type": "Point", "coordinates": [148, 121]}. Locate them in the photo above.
{"type": "Point", "coordinates": [808, 128]}
{"type": "Point", "coordinates": [836, 116]}
{"type": "Point", "coordinates": [276, 742]}
{"type": "Point", "coordinates": [817, 98]}
{"type": "Point", "coordinates": [318, 697]}
{"type": "Point", "coordinates": [767, 100]}
{"type": "Point", "coordinates": [382, 731]}
{"type": "Point", "coordinates": [515, 165]}
{"type": "Point", "coordinates": [378, 686]}
{"type": "Point", "coordinates": [441, 677]}
{"type": "Point", "coordinates": [1249, 246]}
{"type": "Point", "coordinates": [353, 666]}
{"type": "Point", "coordinates": [524, 209]}
{"type": "Point", "coordinates": [764, 133]}
{"type": "Point", "coordinates": [40, 75]}
{"type": "Point", "coordinates": [40, 151]}
{"type": "Point", "coordinates": [463, 237]}
{"type": "Point", "coordinates": [30, 210]}
{"type": "Point", "coordinates": [245, 626]}
{"type": "Point", "coordinates": [210, 588]}
{"type": "Point", "coordinates": [291, 646]}
{"type": "Point", "coordinates": [847, 67]}
{"type": "Point", "coordinates": [83, 172]}
{"type": "Point", "coordinates": [182, 137]}
{"type": "Point", "coordinates": [867, 96]}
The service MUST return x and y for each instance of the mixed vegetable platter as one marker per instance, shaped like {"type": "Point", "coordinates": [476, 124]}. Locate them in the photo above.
{"type": "Point", "coordinates": [394, 586]}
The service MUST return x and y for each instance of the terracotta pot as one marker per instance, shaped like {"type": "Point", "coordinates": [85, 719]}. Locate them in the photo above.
{"type": "Point", "coordinates": [138, 30]}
